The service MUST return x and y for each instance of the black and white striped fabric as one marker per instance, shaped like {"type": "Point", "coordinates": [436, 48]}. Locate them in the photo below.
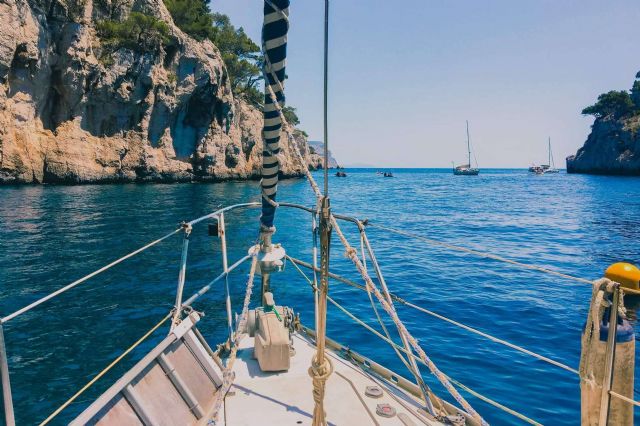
{"type": "Point", "coordinates": [274, 45]}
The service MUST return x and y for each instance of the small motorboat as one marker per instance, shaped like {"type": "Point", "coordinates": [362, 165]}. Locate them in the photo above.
{"type": "Point", "coordinates": [538, 170]}
{"type": "Point", "coordinates": [388, 174]}
{"type": "Point", "coordinates": [341, 174]}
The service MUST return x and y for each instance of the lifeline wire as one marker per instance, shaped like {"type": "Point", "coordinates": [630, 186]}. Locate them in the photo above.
{"type": "Point", "coordinates": [449, 320]}
{"type": "Point", "coordinates": [106, 370]}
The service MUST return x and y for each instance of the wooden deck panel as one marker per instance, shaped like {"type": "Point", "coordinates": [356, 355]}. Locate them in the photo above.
{"type": "Point", "coordinates": [196, 379]}
{"type": "Point", "coordinates": [120, 412]}
{"type": "Point", "coordinates": [162, 401]}
{"type": "Point", "coordinates": [174, 384]}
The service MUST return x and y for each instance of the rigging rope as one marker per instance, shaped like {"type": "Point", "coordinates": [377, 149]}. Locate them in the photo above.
{"type": "Point", "coordinates": [624, 398]}
{"type": "Point", "coordinates": [480, 254]}
{"type": "Point", "coordinates": [495, 257]}
{"type": "Point", "coordinates": [351, 252]}
{"type": "Point", "coordinates": [384, 328]}
{"type": "Point", "coordinates": [388, 307]}
{"type": "Point", "coordinates": [460, 385]}
{"type": "Point", "coordinates": [227, 374]}
{"type": "Point", "coordinates": [443, 318]}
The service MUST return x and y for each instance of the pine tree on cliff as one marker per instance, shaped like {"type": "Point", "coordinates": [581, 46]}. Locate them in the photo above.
{"type": "Point", "coordinates": [613, 146]}
{"type": "Point", "coordinates": [617, 104]}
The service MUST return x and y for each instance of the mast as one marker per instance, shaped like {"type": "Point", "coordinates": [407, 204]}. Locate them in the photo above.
{"type": "Point", "coordinates": [321, 366]}
{"type": "Point", "coordinates": [468, 145]}
{"type": "Point", "coordinates": [274, 45]}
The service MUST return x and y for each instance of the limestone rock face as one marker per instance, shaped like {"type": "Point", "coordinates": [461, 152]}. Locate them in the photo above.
{"type": "Point", "coordinates": [69, 116]}
{"type": "Point", "coordinates": [612, 148]}
{"type": "Point", "coordinates": [317, 147]}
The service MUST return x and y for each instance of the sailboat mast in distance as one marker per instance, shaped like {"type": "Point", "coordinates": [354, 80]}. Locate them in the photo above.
{"type": "Point", "coordinates": [466, 169]}
{"type": "Point", "coordinates": [468, 144]}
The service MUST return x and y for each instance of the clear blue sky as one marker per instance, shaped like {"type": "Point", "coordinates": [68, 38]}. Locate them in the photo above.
{"type": "Point", "coordinates": [404, 76]}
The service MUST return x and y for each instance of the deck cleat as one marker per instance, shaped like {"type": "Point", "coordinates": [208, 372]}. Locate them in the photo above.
{"type": "Point", "coordinates": [385, 410]}
{"type": "Point", "coordinates": [373, 391]}
{"type": "Point", "coordinates": [455, 419]}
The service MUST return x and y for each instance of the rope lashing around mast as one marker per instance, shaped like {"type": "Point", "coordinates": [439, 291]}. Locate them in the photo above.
{"type": "Point", "coordinates": [227, 374]}
{"type": "Point", "coordinates": [319, 373]}
{"type": "Point", "coordinates": [274, 48]}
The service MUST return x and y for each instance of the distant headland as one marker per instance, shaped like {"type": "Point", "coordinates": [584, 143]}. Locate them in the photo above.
{"type": "Point", "coordinates": [613, 147]}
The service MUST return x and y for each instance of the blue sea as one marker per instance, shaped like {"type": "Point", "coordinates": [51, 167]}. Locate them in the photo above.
{"type": "Point", "coordinates": [577, 224]}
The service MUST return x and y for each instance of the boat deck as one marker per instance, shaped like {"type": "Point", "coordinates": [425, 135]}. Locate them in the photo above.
{"type": "Point", "coordinates": [285, 398]}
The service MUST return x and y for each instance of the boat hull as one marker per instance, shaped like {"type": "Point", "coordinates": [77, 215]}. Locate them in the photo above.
{"type": "Point", "coordinates": [466, 172]}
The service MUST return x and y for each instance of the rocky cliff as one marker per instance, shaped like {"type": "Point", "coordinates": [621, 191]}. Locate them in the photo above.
{"type": "Point", "coordinates": [613, 147]}
{"type": "Point", "coordinates": [317, 147]}
{"type": "Point", "coordinates": [67, 115]}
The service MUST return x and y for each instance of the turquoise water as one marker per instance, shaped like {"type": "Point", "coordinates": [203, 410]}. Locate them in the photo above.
{"type": "Point", "coordinates": [51, 235]}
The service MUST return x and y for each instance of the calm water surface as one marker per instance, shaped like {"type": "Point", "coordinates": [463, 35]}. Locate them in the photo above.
{"type": "Point", "coordinates": [51, 235]}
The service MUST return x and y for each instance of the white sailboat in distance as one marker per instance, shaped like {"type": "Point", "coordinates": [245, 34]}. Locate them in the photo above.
{"type": "Point", "coordinates": [466, 169]}
{"type": "Point", "coordinates": [550, 167]}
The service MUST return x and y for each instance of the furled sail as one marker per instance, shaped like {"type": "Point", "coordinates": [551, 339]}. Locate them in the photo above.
{"type": "Point", "coordinates": [274, 46]}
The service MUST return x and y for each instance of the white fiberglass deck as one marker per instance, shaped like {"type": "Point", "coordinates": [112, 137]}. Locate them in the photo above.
{"type": "Point", "coordinates": [285, 398]}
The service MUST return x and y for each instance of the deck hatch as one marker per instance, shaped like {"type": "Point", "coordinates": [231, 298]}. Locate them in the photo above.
{"type": "Point", "coordinates": [174, 383]}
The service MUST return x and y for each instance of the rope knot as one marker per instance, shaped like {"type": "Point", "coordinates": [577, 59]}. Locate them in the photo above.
{"type": "Point", "coordinates": [319, 373]}
{"type": "Point", "coordinates": [351, 252]}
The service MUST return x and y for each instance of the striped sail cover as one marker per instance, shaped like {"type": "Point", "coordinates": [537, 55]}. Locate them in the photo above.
{"type": "Point", "coordinates": [274, 42]}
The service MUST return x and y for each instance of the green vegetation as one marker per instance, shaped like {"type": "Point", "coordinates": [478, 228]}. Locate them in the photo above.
{"type": "Point", "coordinates": [614, 103]}
{"type": "Point", "coordinates": [617, 104]}
{"type": "Point", "coordinates": [290, 115]}
{"type": "Point", "coordinates": [301, 133]}
{"type": "Point", "coordinates": [241, 55]}
{"type": "Point", "coordinates": [635, 92]}
{"type": "Point", "coordinates": [192, 16]}
{"type": "Point", "coordinates": [139, 32]}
